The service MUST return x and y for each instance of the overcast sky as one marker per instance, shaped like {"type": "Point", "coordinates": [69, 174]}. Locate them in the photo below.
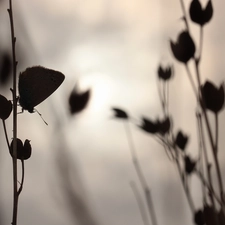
{"type": "Point", "coordinates": [114, 48]}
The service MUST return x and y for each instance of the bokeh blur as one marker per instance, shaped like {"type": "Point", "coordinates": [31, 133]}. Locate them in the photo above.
{"type": "Point", "coordinates": [81, 168]}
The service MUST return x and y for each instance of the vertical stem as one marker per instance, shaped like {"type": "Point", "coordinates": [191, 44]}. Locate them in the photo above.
{"type": "Point", "coordinates": [15, 193]}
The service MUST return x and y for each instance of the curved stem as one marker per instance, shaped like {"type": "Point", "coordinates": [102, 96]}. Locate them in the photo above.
{"type": "Point", "coordinates": [22, 179]}
{"type": "Point", "coordinates": [6, 135]}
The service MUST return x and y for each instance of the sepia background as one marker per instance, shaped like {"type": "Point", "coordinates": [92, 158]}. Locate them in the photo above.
{"type": "Point", "coordinates": [81, 165]}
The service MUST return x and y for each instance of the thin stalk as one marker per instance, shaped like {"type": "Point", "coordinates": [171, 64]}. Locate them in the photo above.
{"type": "Point", "coordinates": [216, 132]}
{"type": "Point", "coordinates": [186, 189]}
{"type": "Point", "coordinates": [140, 203]}
{"type": "Point", "coordinates": [184, 13]}
{"type": "Point", "coordinates": [22, 179]}
{"type": "Point", "coordinates": [191, 81]}
{"type": "Point", "coordinates": [15, 194]}
{"type": "Point", "coordinates": [200, 44]}
{"type": "Point", "coordinates": [6, 135]}
{"type": "Point", "coordinates": [205, 155]}
{"type": "Point", "coordinates": [209, 187]}
{"type": "Point", "coordinates": [167, 98]}
{"type": "Point", "coordinates": [140, 175]}
{"type": "Point", "coordinates": [160, 94]}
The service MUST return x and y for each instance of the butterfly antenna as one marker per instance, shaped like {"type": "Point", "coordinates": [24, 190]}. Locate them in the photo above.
{"type": "Point", "coordinates": [35, 110]}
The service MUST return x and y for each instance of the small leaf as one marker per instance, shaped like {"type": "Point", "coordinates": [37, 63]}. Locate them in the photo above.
{"type": "Point", "coordinates": [27, 150]}
{"type": "Point", "coordinates": [164, 126]}
{"type": "Point", "coordinates": [165, 73]}
{"type": "Point", "coordinates": [119, 113]}
{"type": "Point", "coordinates": [181, 140]}
{"type": "Point", "coordinates": [213, 96]}
{"type": "Point", "coordinates": [184, 49]}
{"type": "Point", "coordinates": [78, 101]}
{"type": "Point", "coordinates": [189, 165]}
{"type": "Point", "coordinates": [149, 126]}
{"type": "Point", "coordinates": [5, 108]}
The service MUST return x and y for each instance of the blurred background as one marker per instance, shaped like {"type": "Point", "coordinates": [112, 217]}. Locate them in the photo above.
{"type": "Point", "coordinates": [80, 170]}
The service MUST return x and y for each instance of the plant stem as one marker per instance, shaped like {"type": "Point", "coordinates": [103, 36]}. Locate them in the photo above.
{"type": "Point", "coordinates": [205, 155]}
{"type": "Point", "coordinates": [186, 189]}
{"type": "Point", "coordinates": [191, 81]}
{"type": "Point", "coordinates": [213, 146]}
{"type": "Point", "coordinates": [140, 203]}
{"type": "Point", "coordinates": [15, 193]}
{"type": "Point", "coordinates": [184, 13]}
{"type": "Point", "coordinates": [22, 179]}
{"type": "Point", "coordinates": [6, 135]}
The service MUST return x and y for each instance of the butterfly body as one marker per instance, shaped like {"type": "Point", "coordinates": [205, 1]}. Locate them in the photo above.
{"type": "Point", "coordinates": [36, 84]}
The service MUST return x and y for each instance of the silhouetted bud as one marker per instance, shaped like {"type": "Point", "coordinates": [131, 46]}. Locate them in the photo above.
{"type": "Point", "coordinates": [198, 14]}
{"type": "Point", "coordinates": [189, 165]}
{"type": "Point", "coordinates": [149, 126]}
{"type": "Point", "coordinates": [164, 126]}
{"type": "Point", "coordinates": [213, 96]}
{"type": "Point", "coordinates": [6, 67]}
{"type": "Point", "coordinates": [23, 150]}
{"type": "Point", "coordinates": [5, 108]}
{"type": "Point", "coordinates": [199, 218]}
{"type": "Point", "coordinates": [181, 140]}
{"type": "Point", "coordinates": [165, 73]}
{"type": "Point", "coordinates": [27, 149]}
{"type": "Point", "coordinates": [78, 101]}
{"type": "Point", "coordinates": [184, 49]}
{"type": "Point", "coordinates": [119, 113]}
{"type": "Point", "coordinates": [19, 148]}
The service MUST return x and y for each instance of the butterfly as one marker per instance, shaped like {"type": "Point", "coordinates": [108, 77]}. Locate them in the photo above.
{"type": "Point", "coordinates": [36, 84]}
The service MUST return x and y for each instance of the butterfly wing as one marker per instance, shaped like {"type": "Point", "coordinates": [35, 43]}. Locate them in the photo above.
{"type": "Point", "coordinates": [36, 84]}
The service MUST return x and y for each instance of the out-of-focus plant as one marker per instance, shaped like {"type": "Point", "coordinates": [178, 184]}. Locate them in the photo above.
{"type": "Point", "coordinates": [209, 98]}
